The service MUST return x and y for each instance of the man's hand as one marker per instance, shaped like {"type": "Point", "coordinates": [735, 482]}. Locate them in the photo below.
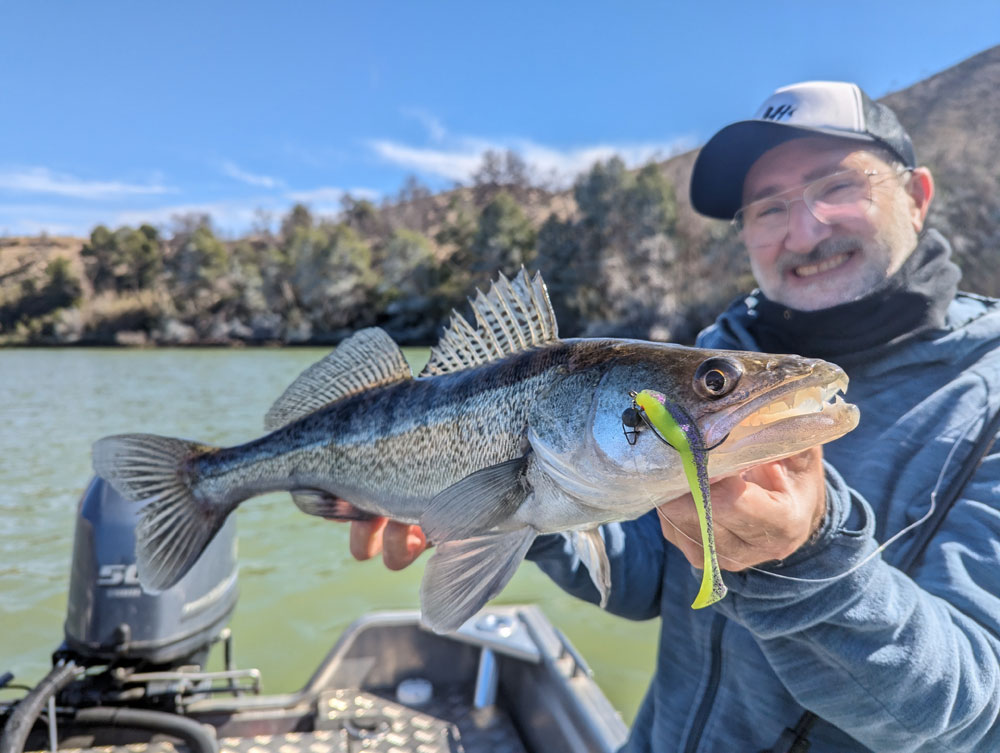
{"type": "Point", "coordinates": [399, 543]}
{"type": "Point", "coordinates": [763, 514]}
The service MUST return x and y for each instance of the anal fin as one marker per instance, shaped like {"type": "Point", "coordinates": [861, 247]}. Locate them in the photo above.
{"type": "Point", "coordinates": [463, 575]}
{"type": "Point", "coordinates": [589, 547]}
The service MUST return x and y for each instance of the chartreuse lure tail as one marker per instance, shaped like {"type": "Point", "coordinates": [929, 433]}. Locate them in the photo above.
{"type": "Point", "coordinates": [680, 431]}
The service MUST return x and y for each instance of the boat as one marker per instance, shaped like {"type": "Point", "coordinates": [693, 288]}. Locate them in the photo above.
{"type": "Point", "coordinates": [131, 677]}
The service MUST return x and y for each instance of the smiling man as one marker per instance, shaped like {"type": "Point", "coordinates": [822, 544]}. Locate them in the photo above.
{"type": "Point", "coordinates": [889, 650]}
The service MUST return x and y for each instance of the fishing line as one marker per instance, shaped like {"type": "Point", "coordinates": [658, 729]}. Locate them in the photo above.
{"type": "Point", "coordinates": [877, 551]}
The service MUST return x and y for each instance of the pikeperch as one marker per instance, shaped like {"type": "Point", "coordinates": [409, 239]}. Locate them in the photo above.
{"type": "Point", "coordinates": [508, 433]}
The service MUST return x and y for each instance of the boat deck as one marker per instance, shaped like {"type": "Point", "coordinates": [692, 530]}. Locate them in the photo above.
{"type": "Point", "coordinates": [505, 683]}
{"type": "Point", "coordinates": [351, 721]}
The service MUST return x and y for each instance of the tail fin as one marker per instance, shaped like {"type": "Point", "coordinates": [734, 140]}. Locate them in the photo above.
{"type": "Point", "coordinates": [175, 526]}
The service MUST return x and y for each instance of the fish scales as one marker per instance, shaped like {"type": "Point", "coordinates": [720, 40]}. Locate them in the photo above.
{"type": "Point", "coordinates": [372, 449]}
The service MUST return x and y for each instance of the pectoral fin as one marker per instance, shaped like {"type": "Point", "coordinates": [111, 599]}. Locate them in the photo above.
{"type": "Point", "coordinates": [477, 503]}
{"type": "Point", "coordinates": [589, 547]}
{"type": "Point", "coordinates": [463, 575]}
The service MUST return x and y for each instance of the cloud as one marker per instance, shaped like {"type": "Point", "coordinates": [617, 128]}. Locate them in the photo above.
{"type": "Point", "coordinates": [330, 194]}
{"type": "Point", "coordinates": [561, 166]}
{"type": "Point", "coordinates": [228, 215]}
{"type": "Point", "coordinates": [41, 180]}
{"type": "Point", "coordinates": [260, 181]}
{"type": "Point", "coordinates": [323, 195]}
{"type": "Point", "coordinates": [435, 128]}
{"type": "Point", "coordinates": [55, 219]}
{"type": "Point", "coordinates": [456, 164]}
{"type": "Point", "coordinates": [567, 164]}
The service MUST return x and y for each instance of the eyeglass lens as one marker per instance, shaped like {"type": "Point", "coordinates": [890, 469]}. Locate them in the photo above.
{"type": "Point", "coordinates": [833, 198]}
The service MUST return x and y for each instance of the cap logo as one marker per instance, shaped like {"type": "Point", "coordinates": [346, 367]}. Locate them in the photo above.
{"type": "Point", "coordinates": [778, 113]}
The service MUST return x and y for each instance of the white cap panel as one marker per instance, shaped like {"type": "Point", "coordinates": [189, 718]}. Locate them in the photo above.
{"type": "Point", "coordinates": [816, 104]}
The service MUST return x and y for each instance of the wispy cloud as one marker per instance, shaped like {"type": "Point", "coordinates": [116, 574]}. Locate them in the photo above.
{"type": "Point", "coordinates": [456, 164]}
{"type": "Point", "coordinates": [228, 215]}
{"type": "Point", "coordinates": [323, 195]}
{"type": "Point", "coordinates": [42, 180]}
{"type": "Point", "coordinates": [251, 179]}
{"type": "Point", "coordinates": [566, 164]}
{"type": "Point", "coordinates": [435, 128]}
{"type": "Point", "coordinates": [461, 157]}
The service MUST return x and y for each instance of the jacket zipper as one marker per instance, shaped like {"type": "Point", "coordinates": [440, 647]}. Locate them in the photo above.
{"type": "Point", "coordinates": [714, 674]}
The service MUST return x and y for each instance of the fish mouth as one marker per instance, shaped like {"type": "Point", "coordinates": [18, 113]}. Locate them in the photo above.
{"type": "Point", "coordinates": [789, 418]}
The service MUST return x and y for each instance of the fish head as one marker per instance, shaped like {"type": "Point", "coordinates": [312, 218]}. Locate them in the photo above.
{"type": "Point", "coordinates": [748, 408]}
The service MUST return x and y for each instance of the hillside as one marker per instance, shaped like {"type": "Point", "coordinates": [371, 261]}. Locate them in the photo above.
{"type": "Point", "coordinates": [622, 251]}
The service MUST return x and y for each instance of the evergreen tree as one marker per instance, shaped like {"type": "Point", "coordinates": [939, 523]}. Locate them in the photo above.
{"type": "Point", "coordinates": [408, 268]}
{"type": "Point", "coordinates": [505, 239]}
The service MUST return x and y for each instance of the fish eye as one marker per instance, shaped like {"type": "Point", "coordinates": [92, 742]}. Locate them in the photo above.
{"type": "Point", "coordinates": [717, 377]}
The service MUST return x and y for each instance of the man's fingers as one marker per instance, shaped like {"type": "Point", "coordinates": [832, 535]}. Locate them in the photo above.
{"type": "Point", "coordinates": [366, 537]}
{"type": "Point", "coordinates": [402, 544]}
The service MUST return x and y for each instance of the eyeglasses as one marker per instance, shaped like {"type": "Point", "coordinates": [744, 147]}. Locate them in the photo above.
{"type": "Point", "coordinates": [844, 195]}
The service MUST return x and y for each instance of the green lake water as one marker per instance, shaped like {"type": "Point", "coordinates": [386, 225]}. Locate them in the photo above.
{"type": "Point", "coordinates": [299, 586]}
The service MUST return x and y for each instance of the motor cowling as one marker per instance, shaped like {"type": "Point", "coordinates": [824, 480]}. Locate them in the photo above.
{"type": "Point", "coordinates": [110, 617]}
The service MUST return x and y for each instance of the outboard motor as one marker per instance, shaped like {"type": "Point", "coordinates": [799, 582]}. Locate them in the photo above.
{"type": "Point", "coordinates": [152, 646]}
{"type": "Point", "coordinates": [111, 618]}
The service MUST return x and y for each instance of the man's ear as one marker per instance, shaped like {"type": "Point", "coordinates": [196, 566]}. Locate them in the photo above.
{"type": "Point", "coordinates": [920, 188]}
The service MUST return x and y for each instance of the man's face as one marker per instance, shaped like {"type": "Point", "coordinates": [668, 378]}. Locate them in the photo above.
{"type": "Point", "coordinates": [816, 265]}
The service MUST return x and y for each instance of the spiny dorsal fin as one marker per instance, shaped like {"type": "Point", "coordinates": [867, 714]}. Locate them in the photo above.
{"type": "Point", "coordinates": [514, 315]}
{"type": "Point", "coordinates": [368, 358]}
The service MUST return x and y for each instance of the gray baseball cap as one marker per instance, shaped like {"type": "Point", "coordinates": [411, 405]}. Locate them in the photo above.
{"type": "Point", "coordinates": [832, 108]}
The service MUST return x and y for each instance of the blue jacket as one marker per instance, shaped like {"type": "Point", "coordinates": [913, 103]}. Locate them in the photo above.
{"type": "Point", "coordinates": [890, 662]}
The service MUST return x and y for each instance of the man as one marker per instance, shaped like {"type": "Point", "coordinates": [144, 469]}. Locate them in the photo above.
{"type": "Point", "coordinates": [826, 193]}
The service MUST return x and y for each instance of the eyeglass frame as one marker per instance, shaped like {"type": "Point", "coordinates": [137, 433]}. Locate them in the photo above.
{"type": "Point", "coordinates": [869, 174]}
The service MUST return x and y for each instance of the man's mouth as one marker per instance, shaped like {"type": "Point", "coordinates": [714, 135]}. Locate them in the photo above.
{"type": "Point", "coordinates": [809, 270]}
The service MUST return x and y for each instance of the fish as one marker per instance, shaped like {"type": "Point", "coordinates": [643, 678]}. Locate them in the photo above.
{"type": "Point", "coordinates": [508, 433]}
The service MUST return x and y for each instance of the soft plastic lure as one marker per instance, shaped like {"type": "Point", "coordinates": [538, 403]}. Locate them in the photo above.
{"type": "Point", "coordinates": [680, 431]}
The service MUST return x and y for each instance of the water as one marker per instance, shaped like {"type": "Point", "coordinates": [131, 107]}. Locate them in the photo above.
{"type": "Point", "coordinates": [299, 586]}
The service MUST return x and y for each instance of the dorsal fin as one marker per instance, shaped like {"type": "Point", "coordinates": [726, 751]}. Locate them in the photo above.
{"type": "Point", "coordinates": [514, 315]}
{"type": "Point", "coordinates": [368, 358]}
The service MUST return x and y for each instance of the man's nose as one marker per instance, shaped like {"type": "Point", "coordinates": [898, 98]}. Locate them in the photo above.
{"type": "Point", "coordinates": [804, 230]}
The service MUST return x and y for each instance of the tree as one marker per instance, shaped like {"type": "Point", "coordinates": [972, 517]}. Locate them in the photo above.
{"type": "Point", "coordinates": [100, 258]}
{"type": "Point", "coordinates": [127, 259]}
{"type": "Point", "coordinates": [506, 171]}
{"type": "Point", "coordinates": [62, 286]}
{"type": "Point", "coordinates": [140, 253]}
{"type": "Point", "coordinates": [298, 217]}
{"type": "Point", "coordinates": [363, 216]}
{"type": "Point", "coordinates": [331, 274]}
{"type": "Point", "coordinates": [197, 258]}
{"type": "Point", "coordinates": [614, 266]}
{"type": "Point", "coordinates": [505, 238]}
{"type": "Point", "coordinates": [413, 208]}
{"type": "Point", "coordinates": [409, 268]}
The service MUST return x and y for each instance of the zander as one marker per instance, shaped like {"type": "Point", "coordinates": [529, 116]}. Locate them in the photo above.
{"type": "Point", "coordinates": [508, 433]}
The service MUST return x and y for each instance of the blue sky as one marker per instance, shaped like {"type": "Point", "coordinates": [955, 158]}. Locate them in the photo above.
{"type": "Point", "coordinates": [123, 112]}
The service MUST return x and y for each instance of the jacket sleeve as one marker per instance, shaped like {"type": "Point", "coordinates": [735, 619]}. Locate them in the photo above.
{"type": "Point", "coordinates": [899, 663]}
{"type": "Point", "coordinates": [636, 552]}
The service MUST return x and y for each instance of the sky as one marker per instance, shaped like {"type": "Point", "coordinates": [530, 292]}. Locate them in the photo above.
{"type": "Point", "coordinates": [128, 112]}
